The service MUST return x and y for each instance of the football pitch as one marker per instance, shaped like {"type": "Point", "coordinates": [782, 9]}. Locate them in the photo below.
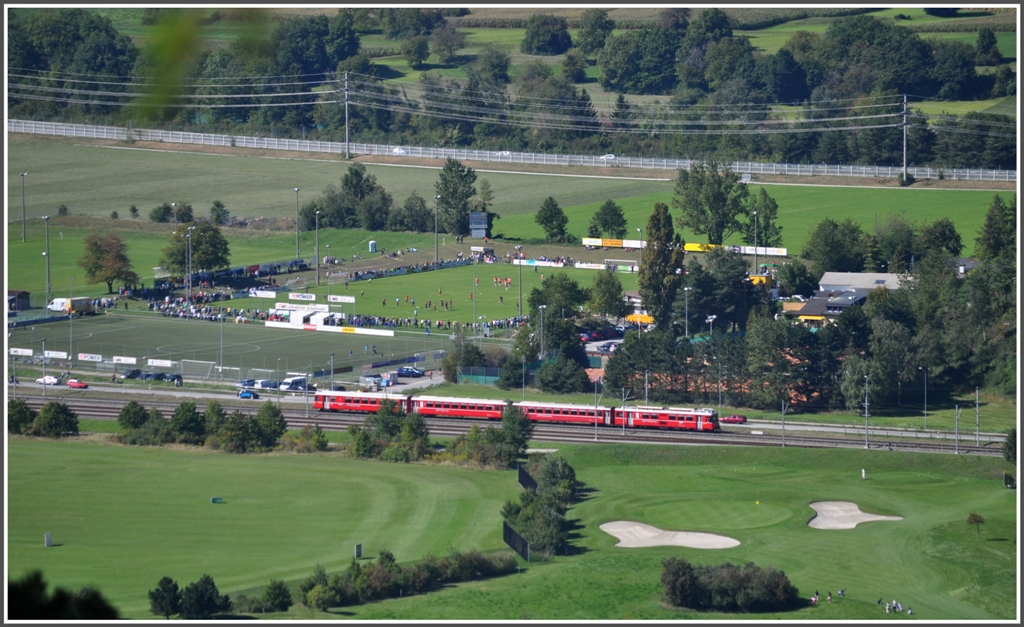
{"type": "Point", "coordinates": [123, 517]}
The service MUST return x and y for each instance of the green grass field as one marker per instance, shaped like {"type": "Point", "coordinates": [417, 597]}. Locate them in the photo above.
{"type": "Point", "coordinates": [124, 517]}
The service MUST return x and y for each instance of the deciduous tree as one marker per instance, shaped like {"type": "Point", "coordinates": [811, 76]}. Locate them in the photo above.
{"type": "Point", "coordinates": [661, 266]}
{"type": "Point", "coordinates": [455, 188]}
{"type": "Point", "coordinates": [768, 233]}
{"type": "Point", "coordinates": [210, 250]}
{"type": "Point", "coordinates": [976, 520]}
{"type": "Point", "coordinates": [834, 247]}
{"type": "Point", "coordinates": [132, 416]}
{"type": "Point", "coordinates": [1010, 447]}
{"type": "Point", "coordinates": [105, 260]}
{"type": "Point", "coordinates": [562, 295]}
{"type": "Point", "coordinates": [188, 424]}
{"type": "Point", "coordinates": [606, 294]}
{"type": "Point", "coordinates": [55, 420]}
{"type": "Point", "coordinates": [610, 219]}
{"type": "Point", "coordinates": [277, 596]}
{"type": "Point", "coordinates": [595, 27]}
{"type": "Point", "coordinates": [201, 600]}
{"type": "Point", "coordinates": [27, 599]}
{"type": "Point", "coordinates": [546, 34]}
{"type": "Point", "coordinates": [446, 41]}
{"type": "Point", "coordinates": [271, 425]}
{"type": "Point", "coordinates": [710, 198]}
{"type": "Point", "coordinates": [19, 416]}
{"type": "Point", "coordinates": [415, 51]}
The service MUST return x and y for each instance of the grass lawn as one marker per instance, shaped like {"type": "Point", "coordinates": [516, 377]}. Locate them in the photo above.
{"type": "Point", "coordinates": [123, 517]}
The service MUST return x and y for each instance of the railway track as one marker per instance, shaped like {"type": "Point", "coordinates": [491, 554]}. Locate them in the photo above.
{"type": "Point", "coordinates": [438, 427]}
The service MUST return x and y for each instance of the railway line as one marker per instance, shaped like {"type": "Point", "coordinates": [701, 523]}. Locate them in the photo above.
{"type": "Point", "coordinates": [568, 433]}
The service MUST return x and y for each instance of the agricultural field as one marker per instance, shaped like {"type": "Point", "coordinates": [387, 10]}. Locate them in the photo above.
{"type": "Point", "coordinates": [122, 517]}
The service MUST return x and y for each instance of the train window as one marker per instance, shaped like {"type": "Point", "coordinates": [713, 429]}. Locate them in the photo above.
{"type": "Point", "coordinates": [447, 405]}
{"type": "Point", "coordinates": [472, 406]}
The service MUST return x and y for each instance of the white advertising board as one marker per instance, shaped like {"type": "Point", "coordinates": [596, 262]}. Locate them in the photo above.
{"type": "Point", "coordinates": [89, 357]}
{"type": "Point", "coordinates": [299, 296]}
{"type": "Point", "coordinates": [56, 354]}
{"type": "Point", "coordinates": [23, 352]}
{"type": "Point", "coordinates": [334, 298]}
{"type": "Point", "coordinates": [162, 363]}
{"type": "Point", "coordinates": [124, 360]}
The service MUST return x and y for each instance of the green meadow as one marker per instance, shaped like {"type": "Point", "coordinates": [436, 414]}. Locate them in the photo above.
{"type": "Point", "coordinates": [93, 181]}
{"type": "Point", "coordinates": [122, 517]}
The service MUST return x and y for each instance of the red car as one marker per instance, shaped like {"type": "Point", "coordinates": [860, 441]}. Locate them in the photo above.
{"type": "Point", "coordinates": [733, 419]}
{"type": "Point", "coordinates": [75, 383]}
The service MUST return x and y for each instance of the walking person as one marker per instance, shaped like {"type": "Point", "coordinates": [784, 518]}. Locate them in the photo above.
{"type": "Point", "coordinates": [886, 607]}
{"type": "Point", "coordinates": [829, 596]}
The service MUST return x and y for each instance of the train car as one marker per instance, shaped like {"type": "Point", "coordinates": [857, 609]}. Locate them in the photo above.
{"type": "Point", "coordinates": [566, 412]}
{"type": "Point", "coordinates": [703, 419]}
{"type": "Point", "coordinates": [364, 402]}
{"type": "Point", "coordinates": [447, 407]}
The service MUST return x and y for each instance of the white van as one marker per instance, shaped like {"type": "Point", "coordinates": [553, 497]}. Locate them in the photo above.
{"type": "Point", "coordinates": [287, 383]}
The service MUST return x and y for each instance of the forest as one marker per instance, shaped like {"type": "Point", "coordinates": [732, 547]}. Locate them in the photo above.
{"type": "Point", "coordinates": [841, 96]}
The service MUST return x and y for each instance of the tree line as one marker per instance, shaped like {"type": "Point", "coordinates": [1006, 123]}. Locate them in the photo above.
{"type": "Point", "coordinates": [539, 515]}
{"type": "Point", "coordinates": [957, 327]}
{"type": "Point", "coordinates": [713, 81]}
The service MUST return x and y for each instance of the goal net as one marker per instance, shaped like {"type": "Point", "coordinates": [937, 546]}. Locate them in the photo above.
{"type": "Point", "coordinates": [622, 265]}
{"type": "Point", "coordinates": [231, 374]}
{"type": "Point", "coordinates": [260, 374]}
{"type": "Point", "coordinates": [195, 368]}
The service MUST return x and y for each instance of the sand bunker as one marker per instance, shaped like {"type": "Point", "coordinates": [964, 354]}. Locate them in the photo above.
{"type": "Point", "coordinates": [634, 535]}
{"type": "Point", "coordinates": [841, 515]}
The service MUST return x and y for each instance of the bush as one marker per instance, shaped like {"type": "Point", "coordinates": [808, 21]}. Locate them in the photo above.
{"type": "Point", "coordinates": [201, 600]}
{"type": "Point", "coordinates": [395, 452]}
{"type": "Point", "coordinates": [132, 416]}
{"type": "Point", "coordinates": [19, 416]}
{"type": "Point", "coordinates": [727, 588]}
{"type": "Point", "coordinates": [113, 215]}
{"type": "Point", "coordinates": [277, 597]}
{"type": "Point", "coordinates": [55, 420]}
{"type": "Point", "coordinates": [27, 599]}
{"type": "Point", "coordinates": [907, 180]}
{"type": "Point", "coordinates": [62, 210]}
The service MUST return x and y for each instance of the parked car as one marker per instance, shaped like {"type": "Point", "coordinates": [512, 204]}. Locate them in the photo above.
{"type": "Point", "coordinates": [75, 383]}
{"type": "Point", "coordinates": [131, 373]}
{"type": "Point", "coordinates": [246, 384]}
{"type": "Point", "coordinates": [409, 371]}
{"type": "Point", "coordinates": [607, 347]}
{"type": "Point", "coordinates": [173, 378]}
{"type": "Point", "coordinates": [158, 376]}
{"type": "Point", "coordinates": [48, 380]}
{"type": "Point", "coordinates": [337, 388]}
{"type": "Point", "coordinates": [608, 157]}
{"type": "Point", "coordinates": [399, 151]}
{"type": "Point", "coordinates": [299, 387]}
{"type": "Point", "coordinates": [735, 419]}
{"type": "Point", "coordinates": [250, 394]}
{"type": "Point", "coordinates": [265, 384]}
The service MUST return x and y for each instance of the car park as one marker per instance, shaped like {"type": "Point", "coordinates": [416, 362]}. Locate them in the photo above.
{"type": "Point", "coordinates": [735, 419]}
{"type": "Point", "coordinates": [409, 371]}
{"type": "Point", "coordinates": [75, 383]}
{"type": "Point", "coordinates": [249, 394]}
{"type": "Point", "coordinates": [48, 380]}
{"type": "Point", "coordinates": [131, 373]}
{"type": "Point", "coordinates": [246, 384]}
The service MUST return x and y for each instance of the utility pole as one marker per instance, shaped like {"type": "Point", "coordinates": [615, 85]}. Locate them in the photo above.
{"type": "Point", "coordinates": [23, 175]}
{"type": "Point", "coordinates": [296, 223]}
{"type": "Point", "coordinates": [346, 115]}
{"type": "Point", "coordinates": [47, 254]}
{"type": "Point", "coordinates": [436, 198]}
{"type": "Point", "coordinates": [904, 138]}
{"type": "Point", "coordinates": [686, 291]}
{"type": "Point", "coordinates": [756, 269]}
{"type": "Point", "coordinates": [71, 322]}
{"type": "Point", "coordinates": [866, 414]}
{"type": "Point", "coordinates": [44, 367]}
{"type": "Point", "coordinates": [956, 432]}
{"type": "Point", "coordinates": [977, 417]}
{"type": "Point", "coordinates": [645, 388]}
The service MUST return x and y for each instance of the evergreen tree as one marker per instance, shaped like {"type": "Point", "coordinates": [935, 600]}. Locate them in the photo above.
{"type": "Point", "coordinates": [998, 235]}
{"type": "Point", "coordinates": [552, 219]}
{"type": "Point", "coordinates": [610, 219]}
{"type": "Point", "coordinates": [19, 416]}
{"type": "Point", "coordinates": [188, 424]}
{"type": "Point", "coordinates": [661, 266]}
{"type": "Point", "coordinates": [201, 600]}
{"type": "Point", "coordinates": [271, 425]}
{"type": "Point", "coordinates": [622, 113]}
{"type": "Point", "coordinates": [165, 599]}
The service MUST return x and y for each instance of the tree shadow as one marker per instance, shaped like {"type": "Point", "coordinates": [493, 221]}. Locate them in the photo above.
{"type": "Point", "coordinates": [997, 540]}
{"type": "Point", "coordinates": [233, 617]}
{"type": "Point", "coordinates": [574, 528]}
{"type": "Point", "coordinates": [585, 493]}
{"type": "Point", "coordinates": [386, 72]}
{"type": "Point", "coordinates": [339, 613]}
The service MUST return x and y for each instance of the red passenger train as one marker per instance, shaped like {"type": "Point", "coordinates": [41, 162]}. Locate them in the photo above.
{"type": "Point", "coordinates": [688, 419]}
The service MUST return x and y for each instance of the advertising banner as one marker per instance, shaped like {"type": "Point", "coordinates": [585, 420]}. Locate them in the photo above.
{"type": "Point", "coordinates": [300, 307]}
{"type": "Point", "coordinates": [162, 363]}
{"type": "Point", "coordinates": [612, 243]}
{"type": "Point", "coordinates": [590, 266]}
{"type": "Point", "coordinates": [592, 241]}
{"type": "Point", "coordinates": [341, 299]}
{"type": "Point", "coordinates": [89, 357]}
{"type": "Point", "coordinates": [56, 354]}
{"type": "Point", "coordinates": [118, 359]}
{"type": "Point", "coordinates": [263, 294]}
{"type": "Point", "coordinates": [23, 352]}
{"type": "Point", "coordinates": [298, 296]}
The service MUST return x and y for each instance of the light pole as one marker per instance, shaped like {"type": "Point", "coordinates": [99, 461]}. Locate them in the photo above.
{"type": "Point", "coordinates": [756, 269]}
{"type": "Point", "coordinates": [686, 292]}
{"type": "Point", "coordinates": [44, 367]}
{"type": "Point", "coordinates": [296, 223]}
{"type": "Point", "coordinates": [641, 232]}
{"type": "Point", "coordinates": [47, 255]}
{"type": "Point", "coordinates": [474, 295]}
{"type": "Point", "coordinates": [23, 175]}
{"type": "Point", "coordinates": [711, 323]}
{"type": "Point", "coordinates": [222, 343]}
{"type": "Point", "coordinates": [436, 198]}
{"type": "Point", "coordinates": [328, 246]}
{"type": "Point", "coordinates": [317, 216]}
{"type": "Point", "coordinates": [332, 371]}
{"type": "Point", "coordinates": [519, 249]}
{"type": "Point", "coordinates": [279, 383]}
{"type": "Point", "coordinates": [923, 369]}
{"type": "Point", "coordinates": [174, 214]}
{"type": "Point", "coordinates": [542, 308]}
{"type": "Point", "coordinates": [71, 322]}
{"type": "Point", "coordinates": [188, 263]}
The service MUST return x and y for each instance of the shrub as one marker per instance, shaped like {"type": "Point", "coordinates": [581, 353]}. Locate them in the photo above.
{"type": "Point", "coordinates": [321, 597]}
{"type": "Point", "coordinates": [318, 578]}
{"type": "Point", "coordinates": [62, 210]}
{"type": "Point", "coordinates": [907, 180]}
{"type": "Point", "coordinates": [395, 452]}
{"type": "Point", "coordinates": [277, 597]}
{"type": "Point", "coordinates": [113, 215]}
{"type": "Point", "coordinates": [19, 416]}
{"type": "Point", "coordinates": [201, 599]}
{"type": "Point", "coordinates": [727, 588]}
{"type": "Point", "coordinates": [132, 416]}
{"type": "Point", "coordinates": [55, 420]}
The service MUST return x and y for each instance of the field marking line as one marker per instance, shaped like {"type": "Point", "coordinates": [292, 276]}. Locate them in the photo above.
{"type": "Point", "coordinates": [581, 176]}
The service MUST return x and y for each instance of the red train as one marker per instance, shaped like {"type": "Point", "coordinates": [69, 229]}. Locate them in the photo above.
{"type": "Point", "coordinates": [688, 419]}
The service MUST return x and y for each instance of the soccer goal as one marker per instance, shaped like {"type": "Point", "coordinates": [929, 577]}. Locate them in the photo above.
{"type": "Point", "coordinates": [231, 374]}
{"type": "Point", "coordinates": [198, 369]}
{"type": "Point", "coordinates": [260, 374]}
{"type": "Point", "coordinates": [622, 265]}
